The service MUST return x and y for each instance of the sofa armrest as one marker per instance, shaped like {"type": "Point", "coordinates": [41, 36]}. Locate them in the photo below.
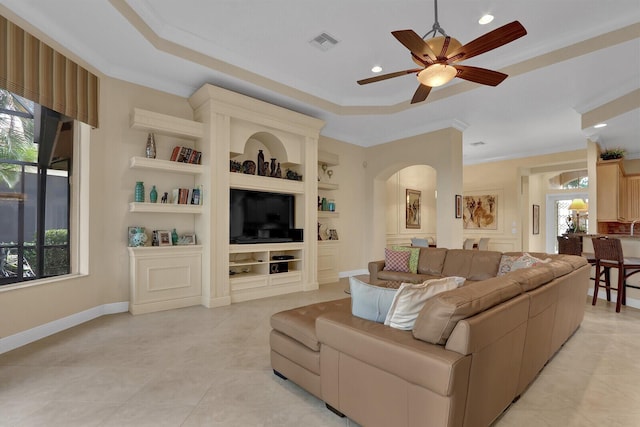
{"type": "Point", "coordinates": [374, 268]}
{"type": "Point", "coordinates": [392, 350]}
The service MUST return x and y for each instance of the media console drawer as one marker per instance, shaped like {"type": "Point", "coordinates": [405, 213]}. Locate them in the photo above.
{"type": "Point", "coordinates": [285, 278]}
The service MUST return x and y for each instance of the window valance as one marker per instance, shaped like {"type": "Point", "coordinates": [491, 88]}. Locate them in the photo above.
{"type": "Point", "coordinates": [32, 69]}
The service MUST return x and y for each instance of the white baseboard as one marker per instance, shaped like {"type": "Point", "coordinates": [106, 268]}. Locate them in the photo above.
{"type": "Point", "coordinates": [34, 334]}
{"type": "Point", "coordinates": [344, 274]}
{"type": "Point", "coordinates": [602, 294]}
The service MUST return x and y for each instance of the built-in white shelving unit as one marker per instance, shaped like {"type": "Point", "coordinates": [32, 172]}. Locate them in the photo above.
{"type": "Point", "coordinates": [328, 250]}
{"type": "Point", "coordinates": [165, 166]}
{"type": "Point", "coordinates": [165, 277]}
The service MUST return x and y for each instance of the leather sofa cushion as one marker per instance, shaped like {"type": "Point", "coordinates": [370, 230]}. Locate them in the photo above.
{"type": "Point", "coordinates": [300, 323]}
{"type": "Point", "coordinates": [471, 264]}
{"type": "Point", "coordinates": [484, 265]}
{"type": "Point", "coordinates": [575, 260]}
{"type": "Point", "coordinates": [431, 260]}
{"type": "Point", "coordinates": [533, 277]}
{"type": "Point", "coordinates": [399, 276]}
{"type": "Point", "coordinates": [394, 351]}
{"type": "Point", "coordinates": [560, 268]}
{"type": "Point", "coordinates": [441, 313]}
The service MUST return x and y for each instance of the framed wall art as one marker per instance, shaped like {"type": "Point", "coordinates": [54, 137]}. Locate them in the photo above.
{"type": "Point", "coordinates": [480, 212]}
{"type": "Point", "coordinates": [536, 219]}
{"type": "Point", "coordinates": [413, 209]}
{"type": "Point", "coordinates": [458, 206]}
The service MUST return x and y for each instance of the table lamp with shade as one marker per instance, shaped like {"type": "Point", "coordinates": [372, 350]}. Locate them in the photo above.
{"type": "Point", "coordinates": [578, 205]}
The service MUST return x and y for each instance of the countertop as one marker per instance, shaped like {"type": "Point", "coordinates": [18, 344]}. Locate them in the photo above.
{"type": "Point", "coordinates": [613, 236]}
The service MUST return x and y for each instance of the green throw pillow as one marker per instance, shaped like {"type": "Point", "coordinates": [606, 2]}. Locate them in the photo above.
{"type": "Point", "coordinates": [413, 258]}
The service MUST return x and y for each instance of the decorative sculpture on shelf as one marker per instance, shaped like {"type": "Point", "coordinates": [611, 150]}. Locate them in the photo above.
{"type": "Point", "coordinates": [249, 167]}
{"type": "Point", "coordinates": [261, 169]}
{"type": "Point", "coordinates": [150, 150]}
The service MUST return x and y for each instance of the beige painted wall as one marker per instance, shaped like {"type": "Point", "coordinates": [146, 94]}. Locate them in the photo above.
{"type": "Point", "coordinates": [112, 182]}
{"type": "Point", "coordinates": [442, 150]}
{"type": "Point", "coordinates": [350, 201]}
{"type": "Point", "coordinates": [421, 178]}
{"type": "Point", "coordinates": [519, 184]}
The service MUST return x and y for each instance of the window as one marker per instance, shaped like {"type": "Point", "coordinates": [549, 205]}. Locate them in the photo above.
{"type": "Point", "coordinates": [36, 151]}
{"type": "Point", "coordinates": [582, 182]}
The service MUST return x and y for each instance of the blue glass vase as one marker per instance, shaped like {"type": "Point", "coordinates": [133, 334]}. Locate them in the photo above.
{"type": "Point", "coordinates": [153, 195]}
{"type": "Point", "coordinates": [139, 192]}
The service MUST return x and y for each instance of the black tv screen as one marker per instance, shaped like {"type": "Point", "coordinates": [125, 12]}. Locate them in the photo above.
{"type": "Point", "coordinates": [260, 217]}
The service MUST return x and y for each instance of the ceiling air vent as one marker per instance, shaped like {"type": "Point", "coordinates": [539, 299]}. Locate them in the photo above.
{"type": "Point", "coordinates": [324, 41]}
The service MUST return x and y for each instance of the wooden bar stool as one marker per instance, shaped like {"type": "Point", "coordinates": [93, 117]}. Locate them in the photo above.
{"type": "Point", "coordinates": [608, 254]}
{"type": "Point", "coordinates": [570, 245]}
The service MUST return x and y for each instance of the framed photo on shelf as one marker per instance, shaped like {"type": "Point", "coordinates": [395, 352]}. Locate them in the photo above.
{"type": "Point", "coordinates": [187, 239]}
{"type": "Point", "coordinates": [164, 238]}
{"type": "Point", "coordinates": [458, 206]}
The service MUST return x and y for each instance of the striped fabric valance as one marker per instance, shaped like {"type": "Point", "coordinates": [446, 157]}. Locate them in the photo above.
{"type": "Point", "coordinates": [32, 69]}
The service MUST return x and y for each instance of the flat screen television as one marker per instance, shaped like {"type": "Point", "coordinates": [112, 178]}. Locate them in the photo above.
{"type": "Point", "coordinates": [262, 217]}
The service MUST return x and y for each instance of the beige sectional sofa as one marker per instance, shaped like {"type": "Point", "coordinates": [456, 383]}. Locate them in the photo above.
{"type": "Point", "coordinates": [472, 350]}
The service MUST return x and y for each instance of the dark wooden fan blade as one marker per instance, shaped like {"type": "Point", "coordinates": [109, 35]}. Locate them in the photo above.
{"type": "Point", "coordinates": [415, 44]}
{"type": "Point", "coordinates": [491, 40]}
{"type": "Point", "coordinates": [421, 94]}
{"type": "Point", "coordinates": [388, 76]}
{"type": "Point", "coordinates": [480, 75]}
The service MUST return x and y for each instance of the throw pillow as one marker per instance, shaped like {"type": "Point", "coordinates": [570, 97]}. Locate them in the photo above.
{"type": "Point", "coordinates": [413, 258]}
{"type": "Point", "coordinates": [505, 264]}
{"type": "Point", "coordinates": [526, 261]}
{"type": "Point", "coordinates": [512, 263]}
{"type": "Point", "coordinates": [410, 299]}
{"type": "Point", "coordinates": [370, 302]}
{"type": "Point", "coordinates": [396, 260]}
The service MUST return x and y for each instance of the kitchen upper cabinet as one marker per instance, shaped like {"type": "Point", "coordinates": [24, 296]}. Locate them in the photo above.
{"type": "Point", "coordinates": [610, 191]}
{"type": "Point", "coordinates": [633, 197]}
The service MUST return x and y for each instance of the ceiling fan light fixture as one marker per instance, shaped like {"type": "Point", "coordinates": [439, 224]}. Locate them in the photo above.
{"type": "Point", "coordinates": [437, 75]}
{"type": "Point", "coordinates": [436, 44]}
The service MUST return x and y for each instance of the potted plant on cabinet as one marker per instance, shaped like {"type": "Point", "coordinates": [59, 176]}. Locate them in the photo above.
{"type": "Point", "coordinates": [612, 153]}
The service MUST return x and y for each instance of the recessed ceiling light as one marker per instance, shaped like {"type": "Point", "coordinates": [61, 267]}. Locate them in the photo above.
{"type": "Point", "coordinates": [600, 125]}
{"type": "Point", "coordinates": [376, 69]}
{"type": "Point", "coordinates": [485, 19]}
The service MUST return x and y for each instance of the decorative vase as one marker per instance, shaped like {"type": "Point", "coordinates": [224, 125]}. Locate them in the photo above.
{"type": "Point", "coordinates": [273, 167]}
{"type": "Point", "coordinates": [174, 237]}
{"type": "Point", "coordinates": [278, 172]}
{"type": "Point", "coordinates": [153, 195]}
{"type": "Point", "coordinates": [139, 192]}
{"type": "Point", "coordinates": [261, 170]}
{"type": "Point", "coordinates": [150, 151]}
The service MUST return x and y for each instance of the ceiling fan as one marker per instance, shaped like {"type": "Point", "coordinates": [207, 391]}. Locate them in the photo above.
{"type": "Point", "coordinates": [436, 57]}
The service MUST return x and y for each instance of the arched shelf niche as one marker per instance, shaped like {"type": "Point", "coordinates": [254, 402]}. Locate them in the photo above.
{"type": "Point", "coordinates": [287, 153]}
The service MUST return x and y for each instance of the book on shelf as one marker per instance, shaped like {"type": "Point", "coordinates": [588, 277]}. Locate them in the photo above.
{"type": "Point", "coordinates": [175, 153]}
{"type": "Point", "coordinates": [186, 196]}
{"type": "Point", "coordinates": [186, 155]}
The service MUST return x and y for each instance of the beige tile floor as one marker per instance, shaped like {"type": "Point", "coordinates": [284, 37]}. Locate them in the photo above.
{"type": "Point", "coordinates": [210, 367]}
